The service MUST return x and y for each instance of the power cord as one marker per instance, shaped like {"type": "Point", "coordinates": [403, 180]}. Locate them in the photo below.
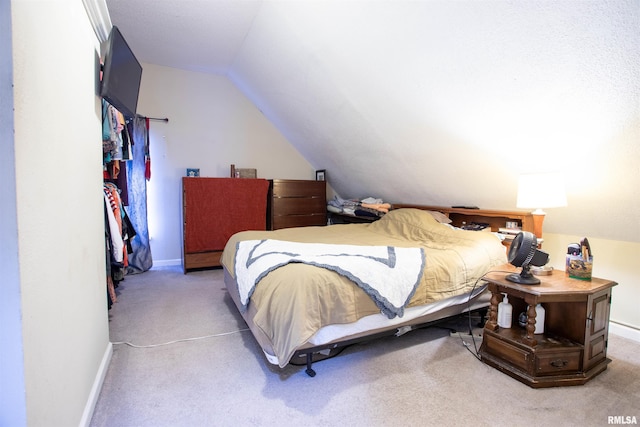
{"type": "Point", "coordinates": [180, 340]}
{"type": "Point", "coordinates": [473, 338]}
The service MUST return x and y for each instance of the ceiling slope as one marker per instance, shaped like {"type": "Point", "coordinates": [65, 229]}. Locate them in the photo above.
{"type": "Point", "coordinates": [194, 35]}
{"type": "Point", "coordinates": [441, 102]}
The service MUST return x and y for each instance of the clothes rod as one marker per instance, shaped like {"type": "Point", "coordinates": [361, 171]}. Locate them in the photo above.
{"type": "Point", "coordinates": [159, 119]}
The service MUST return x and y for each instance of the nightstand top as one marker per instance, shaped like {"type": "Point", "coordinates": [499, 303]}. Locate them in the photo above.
{"type": "Point", "coordinates": [557, 283]}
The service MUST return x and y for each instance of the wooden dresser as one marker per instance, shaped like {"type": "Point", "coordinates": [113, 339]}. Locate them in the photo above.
{"type": "Point", "coordinates": [213, 210]}
{"type": "Point", "coordinates": [296, 203]}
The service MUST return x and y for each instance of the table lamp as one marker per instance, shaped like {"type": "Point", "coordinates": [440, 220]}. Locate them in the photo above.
{"type": "Point", "coordinates": [538, 191]}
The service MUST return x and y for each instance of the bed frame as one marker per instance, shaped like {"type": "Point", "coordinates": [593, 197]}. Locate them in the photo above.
{"type": "Point", "coordinates": [313, 353]}
{"type": "Point", "coordinates": [479, 304]}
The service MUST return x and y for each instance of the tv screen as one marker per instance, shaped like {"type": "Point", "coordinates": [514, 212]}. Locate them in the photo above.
{"type": "Point", "coordinates": [121, 75]}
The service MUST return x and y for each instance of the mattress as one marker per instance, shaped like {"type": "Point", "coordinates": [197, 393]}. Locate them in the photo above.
{"type": "Point", "coordinates": [292, 305]}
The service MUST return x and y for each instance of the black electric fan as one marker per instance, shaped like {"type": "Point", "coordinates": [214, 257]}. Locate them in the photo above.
{"type": "Point", "coordinates": [524, 253]}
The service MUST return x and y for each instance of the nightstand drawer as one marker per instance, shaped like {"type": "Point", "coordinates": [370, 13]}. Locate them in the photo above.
{"type": "Point", "coordinates": [507, 352]}
{"type": "Point", "coordinates": [554, 363]}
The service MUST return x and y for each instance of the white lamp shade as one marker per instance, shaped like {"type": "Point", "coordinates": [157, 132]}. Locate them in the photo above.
{"type": "Point", "coordinates": [541, 190]}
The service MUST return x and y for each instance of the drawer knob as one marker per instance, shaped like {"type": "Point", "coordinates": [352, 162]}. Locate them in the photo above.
{"type": "Point", "coordinates": [559, 363]}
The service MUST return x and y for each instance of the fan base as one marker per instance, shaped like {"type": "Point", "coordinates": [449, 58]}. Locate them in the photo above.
{"type": "Point", "coordinates": [523, 280]}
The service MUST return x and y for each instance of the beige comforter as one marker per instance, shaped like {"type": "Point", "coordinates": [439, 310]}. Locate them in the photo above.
{"type": "Point", "coordinates": [294, 301]}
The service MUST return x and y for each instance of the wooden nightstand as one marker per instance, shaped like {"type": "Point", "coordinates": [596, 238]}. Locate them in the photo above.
{"type": "Point", "coordinates": [573, 347]}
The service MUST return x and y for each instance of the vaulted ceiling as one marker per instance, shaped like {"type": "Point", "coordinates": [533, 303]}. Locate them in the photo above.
{"type": "Point", "coordinates": [428, 101]}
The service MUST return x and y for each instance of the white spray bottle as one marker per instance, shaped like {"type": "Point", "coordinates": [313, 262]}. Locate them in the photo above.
{"type": "Point", "coordinates": [505, 311]}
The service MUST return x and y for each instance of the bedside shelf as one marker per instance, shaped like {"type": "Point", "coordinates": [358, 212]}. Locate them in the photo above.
{"type": "Point", "coordinates": [518, 334]}
{"type": "Point", "coordinates": [340, 218]}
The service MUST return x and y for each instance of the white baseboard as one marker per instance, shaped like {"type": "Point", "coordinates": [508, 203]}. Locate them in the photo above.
{"type": "Point", "coordinates": [168, 263]}
{"type": "Point", "coordinates": [97, 386]}
{"type": "Point", "coordinates": [624, 331]}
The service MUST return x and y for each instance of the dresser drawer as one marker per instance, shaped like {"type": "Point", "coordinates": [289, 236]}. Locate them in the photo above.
{"type": "Point", "coordinates": [298, 205]}
{"type": "Point", "coordinates": [289, 221]}
{"type": "Point", "coordinates": [294, 188]}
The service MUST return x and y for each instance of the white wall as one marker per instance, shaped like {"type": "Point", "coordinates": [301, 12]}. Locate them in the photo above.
{"type": "Point", "coordinates": [448, 101]}
{"type": "Point", "coordinates": [59, 205]}
{"type": "Point", "coordinates": [613, 260]}
{"type": "Point", "coordinates": [12, 394]}
{"type": "Point", "coordinates": [211, 125]}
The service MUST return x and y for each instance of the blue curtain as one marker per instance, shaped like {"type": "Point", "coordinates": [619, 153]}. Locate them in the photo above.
{"type": "Point", "coordinates": [140, 260]}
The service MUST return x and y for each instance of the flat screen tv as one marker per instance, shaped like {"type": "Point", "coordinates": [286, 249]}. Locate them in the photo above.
{"type": "Point", "coordinates": [121, 75]}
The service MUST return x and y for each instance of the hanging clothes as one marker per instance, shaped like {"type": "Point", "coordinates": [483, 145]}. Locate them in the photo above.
{"type": "Point", "coordinates": [147, 152]}
{"type": "Point", "coordinates": [119, 125]}
{"type": "Point", "coordinates": [111, 290]}
{"type": "Point", "coordinates": [126, 163]}
{"type": "Point", "coordinates": [127, 154]}
{"type": "Point", "coordinates": [116, 148]}
{"type": "Point", "coordinates": [121, 182]}
{"type": "Point", "coordinates": [115, 224]}
{"type": "Point", "coordinates": [140, 259]}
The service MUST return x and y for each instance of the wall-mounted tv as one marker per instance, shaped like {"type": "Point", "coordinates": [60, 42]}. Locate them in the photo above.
{"type": "Point", "coordinates": [121, 74]}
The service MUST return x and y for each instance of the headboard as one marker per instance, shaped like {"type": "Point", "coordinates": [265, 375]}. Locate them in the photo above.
{"type": "Point", "coordinates": [495, 218]}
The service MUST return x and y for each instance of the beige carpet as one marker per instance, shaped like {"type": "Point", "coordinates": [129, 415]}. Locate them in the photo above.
{"type": "Point", "coordinates": [422, 378]}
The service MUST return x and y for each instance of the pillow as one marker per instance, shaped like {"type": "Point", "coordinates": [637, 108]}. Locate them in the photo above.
{"type": "Point", "coordinates": [410, 223]}
{"type": "Point", "coordinates": [440, 217]}
{"type": "Point", "coordinates": [411, 216]}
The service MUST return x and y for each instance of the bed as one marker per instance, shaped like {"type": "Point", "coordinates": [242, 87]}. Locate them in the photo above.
{"type": "Point", "coordinates": [300, 307]}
